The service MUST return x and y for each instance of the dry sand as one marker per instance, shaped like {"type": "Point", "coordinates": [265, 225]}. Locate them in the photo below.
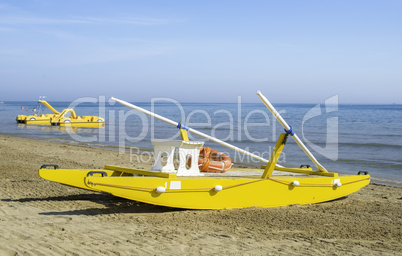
{"type": "Point", "coordinates": [39, 217]}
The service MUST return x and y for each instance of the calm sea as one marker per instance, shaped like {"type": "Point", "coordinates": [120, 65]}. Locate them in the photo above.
{"type": "Point", "coordinates": [343, 138]}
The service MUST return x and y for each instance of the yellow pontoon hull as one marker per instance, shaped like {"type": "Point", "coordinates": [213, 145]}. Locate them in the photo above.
{"type": "Point", "coordinates": [37, 122]}
{"type": "Point", "coordinates": [78, 121]}
{"type": "Point", "coordinates": [47, 121]}
{"type": "Point", "coordinates": [43, 119]}
{"type": "Point", "coordinates": [81, 124]}
{"type": "Point", "coordinates": [209, 192]}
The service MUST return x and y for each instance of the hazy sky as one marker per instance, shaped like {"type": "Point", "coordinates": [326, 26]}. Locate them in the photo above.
{"type": "Point", "coordinates": [202, 51]}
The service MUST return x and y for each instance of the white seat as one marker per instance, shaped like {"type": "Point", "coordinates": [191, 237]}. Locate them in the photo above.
{"type": "Point", "coordinates": [186, 149]}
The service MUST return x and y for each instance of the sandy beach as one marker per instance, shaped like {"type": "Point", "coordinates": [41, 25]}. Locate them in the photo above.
{"type": "Point", "coordinates": [39, 217]}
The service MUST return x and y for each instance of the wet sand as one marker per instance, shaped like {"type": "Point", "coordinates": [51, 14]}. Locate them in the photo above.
{"type": "Point", "coordinates": [39, 217]}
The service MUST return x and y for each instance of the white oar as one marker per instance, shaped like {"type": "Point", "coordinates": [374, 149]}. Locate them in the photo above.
{"type": "Point", "coordinates": [190, 130]}
{"type": "Point", "coordinates": [289, 130]}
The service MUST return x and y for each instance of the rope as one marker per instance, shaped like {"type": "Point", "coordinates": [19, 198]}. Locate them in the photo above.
{"type": "Point", "coordinates": [119, 186]}
{"type": "Point", "coordinates": [315, 184]}
{"type": "Point", "coordinates": [350, 182]}
{"type": "Point", "coordinates": [245, 183]}
{"type": "Point", "coordinates": [225, 187]}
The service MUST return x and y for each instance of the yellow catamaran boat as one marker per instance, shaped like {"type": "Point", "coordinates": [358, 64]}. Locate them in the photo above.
{"type": "Point", "coordinates": [61, 119]}
{"type": "Point", "coordinates": [41, 119]}
{"type": "Point", "coordinates": [186, 187]}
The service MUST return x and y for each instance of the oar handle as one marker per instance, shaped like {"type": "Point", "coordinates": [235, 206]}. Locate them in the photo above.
{"type": "Point", "coordinates": [273, 111]}
{"type": "Point", "coordinates": [288, 129]}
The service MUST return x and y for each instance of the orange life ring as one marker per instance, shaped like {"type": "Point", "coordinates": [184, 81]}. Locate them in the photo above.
{"type": "Point", "coordinates": [211, 160]}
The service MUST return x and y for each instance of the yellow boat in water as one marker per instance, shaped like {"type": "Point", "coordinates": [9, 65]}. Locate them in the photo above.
{"type": "Point", "coordinates": [61, 119]}
{"type": "Point", "coordinates": [186, 187]}
{"type": "Point", "coordinates": [77, 121]}
{"type": "Point", "coordinates": [41, 119]}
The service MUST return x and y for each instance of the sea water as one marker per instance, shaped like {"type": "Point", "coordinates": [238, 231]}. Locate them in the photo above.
{"type": "Point", "coordinates": [344, 138]}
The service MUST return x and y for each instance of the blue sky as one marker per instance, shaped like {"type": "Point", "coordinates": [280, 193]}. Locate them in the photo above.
{"type": "Point", "coordinates": [202, 51]}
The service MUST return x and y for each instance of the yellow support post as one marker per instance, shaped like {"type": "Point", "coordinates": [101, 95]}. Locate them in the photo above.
{"type": "Point", "coordinates": [184, 135]}
{"type": "Point", "coordinates": [275, 156]}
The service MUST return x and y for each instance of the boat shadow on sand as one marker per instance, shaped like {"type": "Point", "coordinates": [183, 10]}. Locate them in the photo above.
{"type": "Point", "coordinates": [112, 205]}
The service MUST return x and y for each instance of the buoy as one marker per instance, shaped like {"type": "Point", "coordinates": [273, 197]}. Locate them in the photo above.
{"type": "Point", "coordinates": [218, 188]}
{"type": "Point", "coordinates": [160, 190]}
{"type": "Point", "coordinates": [295, 183]}
{"type": "Point", "coordinates": [211, 160]}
